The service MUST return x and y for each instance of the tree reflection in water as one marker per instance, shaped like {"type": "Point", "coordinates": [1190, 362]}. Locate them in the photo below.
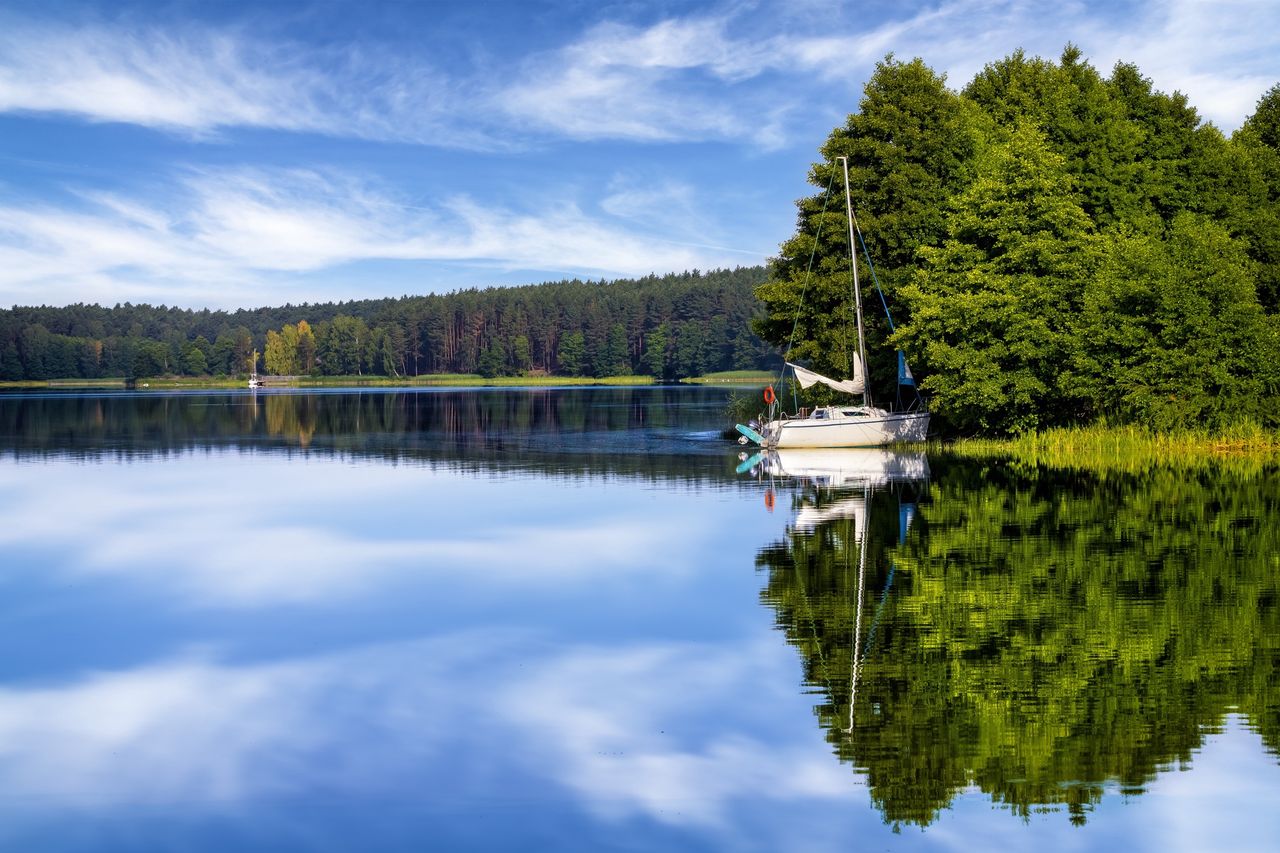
{"type": "Point", "coordinates": [1042, 636]}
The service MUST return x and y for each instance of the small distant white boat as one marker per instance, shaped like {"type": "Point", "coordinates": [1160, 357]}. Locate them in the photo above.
{"type": "Point", "coordinates": [254, 381]}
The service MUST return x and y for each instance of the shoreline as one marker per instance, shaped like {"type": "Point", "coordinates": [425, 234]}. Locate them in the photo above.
{"type": "Point", "coordinates": [450, 380]}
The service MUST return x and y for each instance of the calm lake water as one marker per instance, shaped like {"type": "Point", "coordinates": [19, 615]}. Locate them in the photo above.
{"type": "Point", "coordinates": [575, 619]}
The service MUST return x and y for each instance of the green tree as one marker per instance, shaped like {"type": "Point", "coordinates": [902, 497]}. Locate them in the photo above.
{"type": "Point", "coordinates": [571, 353]}
{"type": "Point", "coordinates": [342, 348]}
{"type": "Point", "coordinates": [151, 358]}
{"type": "Point", "coordinates": [1082, 121]}
{"type": "Point", "coordinates": [613, 359]}
{"type": "Point", "coordinates": [910, 147]}
{"type": "Point", "coordinates": [1258, 204]}
{"type": "Point", "coordinates": [243, 356]}
{"type": "Point", "coordinates": [491, 361]}
{"type": "Point", "coordinates": [1173, 334]}
{"type": "Point", "coordinates": [306, 351]}
{"type": "Point", "coordinates": [521, 354]}
{"type": "Point", "coordinates": [655, 352]}
{"type": "Point", "coordinates": [10, 361]}
{"type": "Point", "coordinates": [223, 359]}
{"type": "Point", "coordinates": [193, 361]}
{"type": "Point", "coordinates": [276, 358]}
{"type": "Point", "coordinates": [991, 312]}
{"type": "Point", "coordinates": [289, 355]}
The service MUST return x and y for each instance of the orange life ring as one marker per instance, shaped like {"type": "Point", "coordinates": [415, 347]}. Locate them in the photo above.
{"type": "Point", "coordinates": [768, 499]}
{"type": "Point", "coordinates": [769, 396]}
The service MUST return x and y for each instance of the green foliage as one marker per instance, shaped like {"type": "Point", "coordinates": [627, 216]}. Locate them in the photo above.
{"type": "Point", "coordinates": [491, 360]}
{"type": "Point", "coordinates": [276, 359]}
{"type": "Point", "coordinates": [910, 147]}
{"type": "Point", "coordinates": [599, 328]}
{"type": "Point", "coordinates": [1172, 334]}
{"type": "Point", "coordinates": [194, 362]}
{"type": "Point", "coordinates": [1059, 247]}
{"type": "Point", "coordinates": [571, 355]}
{"type": "Point", "coordinates": [613, 360]}
{"type": "Point", "coordinates": [991, 310]}
{"type": "Point", "coordinates": [1256, 197]}
{"type": "Point", "coordinates": [521, 354]}
{"type": "Point", "coordinates": [656, 359]}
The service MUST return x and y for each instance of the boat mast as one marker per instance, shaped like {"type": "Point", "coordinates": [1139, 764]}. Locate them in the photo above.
{"type": "Point", "coordinates": [857, 291]}
{"type": "Point", "coordinates": [863, 519]}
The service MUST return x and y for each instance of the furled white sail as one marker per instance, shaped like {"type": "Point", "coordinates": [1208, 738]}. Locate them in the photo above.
{"type": "Point", "coordinates": [807, 378]}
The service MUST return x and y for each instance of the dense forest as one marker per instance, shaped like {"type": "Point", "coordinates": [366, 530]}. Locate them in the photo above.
{"type": "Point", "coordinates": [672, 326]}
{"type": "Point", "coordinates": [1058, 247]}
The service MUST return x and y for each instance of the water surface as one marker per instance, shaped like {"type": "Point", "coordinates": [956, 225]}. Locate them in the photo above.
{"type": "Point", "coordinates": [565, 619]}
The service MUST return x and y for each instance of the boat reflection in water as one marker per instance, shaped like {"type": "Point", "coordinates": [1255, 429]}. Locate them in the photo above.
{"type": "Point", "coordinates": [871, 466]}
{"type": "Point", "coordinates": [1039, 637]}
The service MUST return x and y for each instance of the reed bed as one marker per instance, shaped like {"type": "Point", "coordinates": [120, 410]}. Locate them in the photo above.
{"type": "Point", "coordinates": [1133, 449]}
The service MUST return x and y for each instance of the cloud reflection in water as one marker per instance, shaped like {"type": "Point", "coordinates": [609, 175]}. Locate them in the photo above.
{"type": "Point", "coordinates": [280, 532]}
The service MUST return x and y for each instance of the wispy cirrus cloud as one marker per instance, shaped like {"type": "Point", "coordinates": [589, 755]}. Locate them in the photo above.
{"type": "Point", "coordinates": [721, 77]}
{"type": "Point", "coordinates": [664, 82]}
{"type": "Point", "coordinates": [217, 236]}
{"type": "Point", "coordinates": [199, 81]}
{"type": "Point", "coordinates": [724, 73]}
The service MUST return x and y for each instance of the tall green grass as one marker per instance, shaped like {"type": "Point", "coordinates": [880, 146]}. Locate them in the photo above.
{"type": "Point", "coordinates": [1133, 449]}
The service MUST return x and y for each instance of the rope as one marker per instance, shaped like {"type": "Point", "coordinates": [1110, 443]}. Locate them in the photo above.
{"type": "Point", "coordinates": [808, 273]}
{"type": "Point", "coordinates": [874, 279]}
{"type": "Point", "coordinates": [884, 303]}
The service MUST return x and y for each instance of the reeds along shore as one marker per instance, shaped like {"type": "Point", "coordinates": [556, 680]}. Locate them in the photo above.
{"type": "Point", "coordinates": [1132, 449]}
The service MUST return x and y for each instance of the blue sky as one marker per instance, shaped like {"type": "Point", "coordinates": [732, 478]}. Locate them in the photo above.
{"type": "Point", "coordinates": [240, 154]}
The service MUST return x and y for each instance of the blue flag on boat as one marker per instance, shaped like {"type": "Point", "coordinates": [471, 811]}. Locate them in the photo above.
{"type": "Point", "coordinates": [904, 372]}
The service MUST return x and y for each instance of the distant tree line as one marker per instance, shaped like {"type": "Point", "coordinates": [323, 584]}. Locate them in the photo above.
{"type": "Point", "coordinates": [1058, 247]}
{"type": "Point", "coordinates": [671, 326]}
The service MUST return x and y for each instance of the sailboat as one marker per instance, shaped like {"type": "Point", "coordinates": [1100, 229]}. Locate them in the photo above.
{"type": "Point", "coordinates": [255, 381]}
{"type": "Point", "coordinates": [862, 425]}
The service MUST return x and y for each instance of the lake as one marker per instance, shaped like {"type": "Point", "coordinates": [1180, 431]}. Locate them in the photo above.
{"type": "Point", "coordinates": [579, 619]}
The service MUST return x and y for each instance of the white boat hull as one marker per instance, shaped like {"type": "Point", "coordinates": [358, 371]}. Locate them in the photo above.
{"type": "Point", "coordinates": [856, 431]}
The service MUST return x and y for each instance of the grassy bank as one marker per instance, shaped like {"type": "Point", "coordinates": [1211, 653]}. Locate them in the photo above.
{"type": "Point", "coordinates": [460, 380]}
{"type": "Point", "coordinates": [734, 377]}
{"type": "Point", "coordinates": [1130, 448]}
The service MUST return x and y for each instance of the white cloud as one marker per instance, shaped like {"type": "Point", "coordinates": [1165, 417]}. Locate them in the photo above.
{"type": "Point", "coordinates": [199, 81]}
{"type": "Point", "coordinates": [1222, 55]}
{"type": "Point", "coordinates": [609, 723]}
{"type": "Point", "coordinates": [650, 201]}
{"type": "Point", "coordinates": [215, 238]}
{"type": "Point", "coordinates": [694, 78]}
{"type": "Point", "coordinates": [295, 546]}
{"type": "Point", "coordinates": [740, 74]}
{"type": "Point", "coordinates": [203, 733]}
{"type": "Point", "coordinates": [679, 79]}
{"type": "Point", "coordinates": [619, 731]}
